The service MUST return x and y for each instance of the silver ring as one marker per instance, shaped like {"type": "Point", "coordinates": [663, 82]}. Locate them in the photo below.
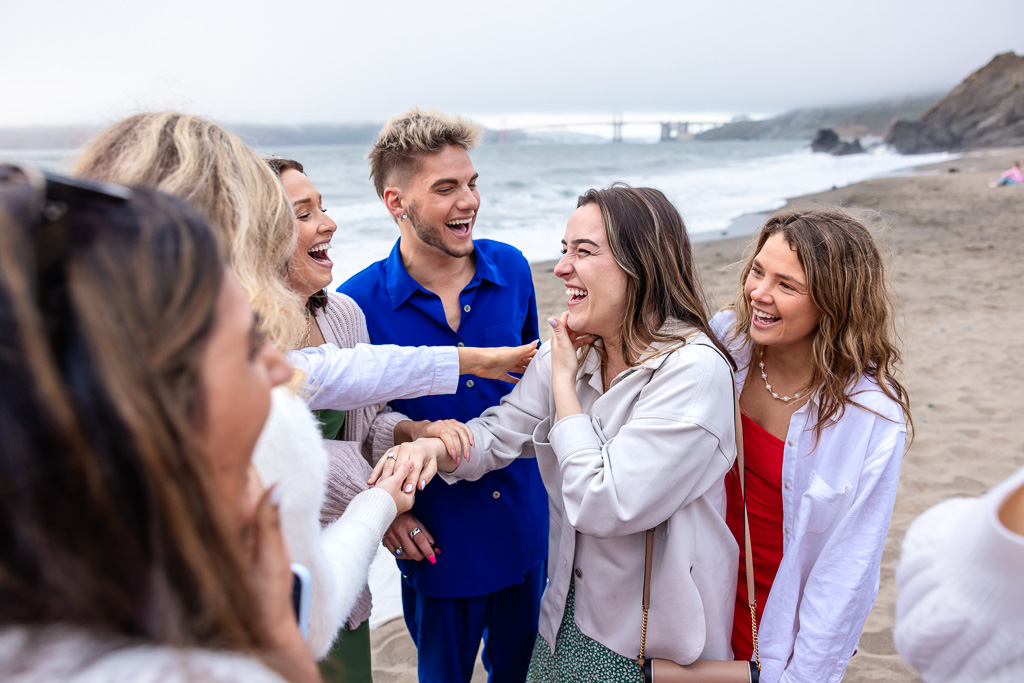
{"type": "Point", "coordinates": [398, 551]}
{"type": "Point", "coordinates": [392, 455]}
{"type": "Point", "coordinates": [417, 530]}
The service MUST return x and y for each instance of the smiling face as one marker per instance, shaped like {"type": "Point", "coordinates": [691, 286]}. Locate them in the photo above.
{"type": "Point", "coordinates": [783, 315]}
{"type": "Point", "coordinates": [309, 268]}
{"type": "Point", "coordinates": [237, 370]}
{"type": "Point", "coordinates": [441, 201]}
{"type": "Point", "coordinates": [594, 282]}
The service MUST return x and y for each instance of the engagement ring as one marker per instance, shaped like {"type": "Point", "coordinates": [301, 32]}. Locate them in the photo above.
{"type": "Point", "coordinates": [392, 455]}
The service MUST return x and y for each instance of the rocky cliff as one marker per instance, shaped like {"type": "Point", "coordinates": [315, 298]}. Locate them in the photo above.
{"type": "Point", "coordinates": [870, 119]}
{"type": "Point", "coordinates": [985, 110]}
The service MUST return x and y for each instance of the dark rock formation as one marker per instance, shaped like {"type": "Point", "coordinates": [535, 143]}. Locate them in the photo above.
{"type": "Point", "coordinates": [825, 141]}
{"type": "Point", "coordinates": [828, 141]}
{"type": "Point", "coordinates": [985, 110]}
{"type": "Point", "coordinates": [847, 148]}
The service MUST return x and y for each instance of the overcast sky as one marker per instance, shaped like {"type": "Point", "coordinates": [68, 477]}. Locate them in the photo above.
{"type": "Point", "coordinates": [511, 61]}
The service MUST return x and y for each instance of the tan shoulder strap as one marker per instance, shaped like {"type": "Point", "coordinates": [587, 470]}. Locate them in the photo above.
{"type": "Point", "coordinates": [649, 552]}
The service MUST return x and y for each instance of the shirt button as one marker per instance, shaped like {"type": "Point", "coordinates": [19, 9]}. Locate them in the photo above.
{"type": "Point", "coordinates": [460, 344]}
{"type": "Point", "coordinates": [470, 383]}
{"type": "Point", "coordinates": [466, 308]}
{"type": "Point", "coordinates": [496, 495]}
{"type": "Point", "coordinates": [790, 442]}
{"type": "Point", "coordinates": [787, 485]}
{"type": "Point", "coordinates": [786, 530]}
{"type": "Point", "coordinates": [578, 573]}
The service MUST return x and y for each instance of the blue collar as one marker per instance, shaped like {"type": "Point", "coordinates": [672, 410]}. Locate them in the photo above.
{"type": "Point", "coordinates": [401, 285]}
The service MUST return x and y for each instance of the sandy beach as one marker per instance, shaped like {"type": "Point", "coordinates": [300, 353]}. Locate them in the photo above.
{"type": "Point", "coordinates": [956, 254]}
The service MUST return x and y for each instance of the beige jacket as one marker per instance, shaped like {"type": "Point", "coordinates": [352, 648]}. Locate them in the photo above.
{"type": "Point", "coordinates": [651, 452]}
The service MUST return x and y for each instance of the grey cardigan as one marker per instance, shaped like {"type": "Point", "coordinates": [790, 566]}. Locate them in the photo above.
{"type": "Point", "coordinates": [368, 432]}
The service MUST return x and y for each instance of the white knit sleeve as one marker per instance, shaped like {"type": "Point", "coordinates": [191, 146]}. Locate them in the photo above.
{"type": "Point", "coordinates": [960, 607]}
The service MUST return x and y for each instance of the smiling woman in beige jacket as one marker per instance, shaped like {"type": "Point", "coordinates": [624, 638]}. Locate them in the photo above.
{"type": "Point", "coordinates": [636, 432]}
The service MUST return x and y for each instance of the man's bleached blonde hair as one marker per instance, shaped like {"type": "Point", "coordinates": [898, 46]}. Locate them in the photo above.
{"type": "Point", "coordinates": [233, 189]}
{"type": "Point", "coordinates": [411, 135]}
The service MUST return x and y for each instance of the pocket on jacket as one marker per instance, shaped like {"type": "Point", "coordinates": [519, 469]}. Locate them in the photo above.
{"type": "Point", "coordinates": [825, 503]}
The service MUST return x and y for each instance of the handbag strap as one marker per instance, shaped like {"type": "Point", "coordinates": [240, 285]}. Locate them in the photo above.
{"type": "Point", "coordinates": [748, 555]}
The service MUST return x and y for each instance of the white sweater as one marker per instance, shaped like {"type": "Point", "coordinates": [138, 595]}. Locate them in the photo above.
{"type": "Point", "coordinates": [960, 608]}
{"type": "Point", "coordinates": [290, 451]}
{"type": "Point", "coordinates": [71, 655]}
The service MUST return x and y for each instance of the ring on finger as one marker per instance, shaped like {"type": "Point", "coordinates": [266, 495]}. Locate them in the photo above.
{"type": "Point", "coordinates": [398, 551]}
{"type": "Point", "coordinates": [391, 456]}
{"type": "Point", "coordinates": [417, 530]}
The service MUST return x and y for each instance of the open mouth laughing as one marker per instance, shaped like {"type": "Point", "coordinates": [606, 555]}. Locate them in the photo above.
{"type": "Point", "coordinates": [460, 226]}
{"type": "Point", "coordinates": [762, 319]}
{"type": "Point", "coordinates": [319, 254]}
{"type": "Point", "coordinates": [575, 295]}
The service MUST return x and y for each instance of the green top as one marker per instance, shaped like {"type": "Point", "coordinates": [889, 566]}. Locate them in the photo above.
{"type": "Point", "coordinates": [331, 422]}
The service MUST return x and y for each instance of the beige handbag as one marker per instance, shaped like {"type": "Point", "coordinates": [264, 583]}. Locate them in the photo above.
{"type": "Point", "coordinates": [706, 670]}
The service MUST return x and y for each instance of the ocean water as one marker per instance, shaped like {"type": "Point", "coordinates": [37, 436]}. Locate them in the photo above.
{"type": "Point", "coordinates": [528, 191]}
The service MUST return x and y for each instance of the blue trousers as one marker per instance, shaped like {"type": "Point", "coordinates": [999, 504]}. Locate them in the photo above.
{"type": "Point", "coordinates": [447, 631]}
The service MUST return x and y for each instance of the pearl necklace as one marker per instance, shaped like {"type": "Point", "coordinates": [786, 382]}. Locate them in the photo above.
{"type": "Point", "coordinates": [784, 399]}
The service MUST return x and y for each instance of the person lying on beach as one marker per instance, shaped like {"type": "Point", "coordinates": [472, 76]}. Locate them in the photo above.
{"type": "Point", "coordinates": [1012, 176]}
{"type": "Point", "coordinates": [636, 431]}
{"type": "Point", "coordinates": [248, 209]}
{"type": "Point", "coordinates": [958, 609]}
{"type": "Point", "coordinates": [133, 387]}
{"type": "Point", "coordinates": [824, 427]}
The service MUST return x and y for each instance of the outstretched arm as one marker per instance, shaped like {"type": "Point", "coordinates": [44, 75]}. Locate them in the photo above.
{"type": "Point", "coordinates": [349, 378]}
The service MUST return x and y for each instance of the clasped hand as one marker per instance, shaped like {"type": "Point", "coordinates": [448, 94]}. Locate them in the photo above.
{"type": "Point", "coordinates": [426, 455]}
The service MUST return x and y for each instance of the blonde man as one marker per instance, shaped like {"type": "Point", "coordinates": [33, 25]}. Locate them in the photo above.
{"type": "Point", "coordinates": [473, 554]}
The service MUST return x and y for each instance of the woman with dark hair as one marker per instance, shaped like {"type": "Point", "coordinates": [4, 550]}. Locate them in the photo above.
{"type": "Point", "coordinates": [133, 387]}
{"type": "Point", "coordinates": [634, 432]}
{"type": "Point", "coordinates": [824, 422]}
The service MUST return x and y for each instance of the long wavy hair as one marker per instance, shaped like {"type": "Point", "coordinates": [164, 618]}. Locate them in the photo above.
{"type": "Point", "coordinates": [846, 279]}
{"type": "Point", "coordinates": [648, 239]}
{"type": "Point", "coordinates": [107, 520]}
{"type": "Point", "coordinates": [212, 169]}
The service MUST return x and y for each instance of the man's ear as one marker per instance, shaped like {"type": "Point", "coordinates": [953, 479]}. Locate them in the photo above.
{"type": "Point", "coordinates": [393, 200]}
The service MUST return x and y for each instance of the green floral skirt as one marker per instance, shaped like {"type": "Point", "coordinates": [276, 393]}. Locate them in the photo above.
{"type": "Point", "coordinates": [577, 658]}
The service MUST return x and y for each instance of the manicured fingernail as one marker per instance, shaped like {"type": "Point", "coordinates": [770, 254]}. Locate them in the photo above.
{"type": "Point", "coordinates": [452, 452]}
{"type": "Point", "coordinates": [433, 560]}
{"type": "Point", "coordinates": [552, 322]}
{"type": "Point", "coordinates": [408, 488]}
{"type": "Point", "coordinates": [276, 493]}
{"type": "Point", "coordinates": [423, 484]}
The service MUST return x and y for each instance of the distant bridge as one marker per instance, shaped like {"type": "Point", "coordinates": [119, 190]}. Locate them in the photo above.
{"type": "Point", "coordinates": [670, 130]}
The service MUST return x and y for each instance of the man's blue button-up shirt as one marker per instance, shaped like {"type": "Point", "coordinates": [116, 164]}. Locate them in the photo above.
{"type": "Point", "coordinates": [493, 531]}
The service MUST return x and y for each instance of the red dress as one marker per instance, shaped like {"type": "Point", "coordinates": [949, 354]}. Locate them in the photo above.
{"type": "Point", "coordinates": [763, 458]}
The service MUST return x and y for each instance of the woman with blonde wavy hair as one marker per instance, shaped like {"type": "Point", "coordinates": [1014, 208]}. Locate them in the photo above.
{"type": "Point", "coordinates": [824, 428]}
{"type": "Point", "coordinates": [247, 208]}
{"type": "Point", "coordinates": [197, 160]}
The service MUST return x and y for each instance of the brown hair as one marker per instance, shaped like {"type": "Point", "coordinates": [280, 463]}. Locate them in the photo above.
{"type": "Point", "coordinates": [410, 135]}
{"type": "Point", "coordinates": [228, 184]}
{"type": "Point", "coordinates": [106, 516]}
{"type": "Point", "coordinates": [648, 239]}
{"type": "Point", "coordinates": [856, 333]}
{"type": "Point", "coordinates": [279, 165]}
